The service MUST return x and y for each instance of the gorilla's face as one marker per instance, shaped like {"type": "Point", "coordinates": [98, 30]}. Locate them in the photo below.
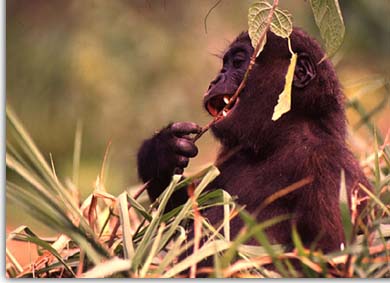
{"type": "Point", "coordinates": [235, 62]}
{"type": "Point", "coordinates": [248, 122]}
{"type": "Point", "coordinates": [222, 88]}
{"type": "Point", "coordinates": [245, 119]}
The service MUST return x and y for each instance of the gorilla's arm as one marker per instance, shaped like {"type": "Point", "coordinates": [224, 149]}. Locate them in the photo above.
{"type": "Point", "coordinates": [165, 154]}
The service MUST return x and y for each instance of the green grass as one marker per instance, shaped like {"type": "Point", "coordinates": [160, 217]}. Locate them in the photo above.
{"type": "Point", "coordinates": [117, 236]}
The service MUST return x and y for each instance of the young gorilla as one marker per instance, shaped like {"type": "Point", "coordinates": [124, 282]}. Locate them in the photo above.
{"type": "Point", "coordinates": [259, 156]}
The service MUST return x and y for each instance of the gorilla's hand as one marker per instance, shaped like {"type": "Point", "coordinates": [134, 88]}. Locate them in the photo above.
{"type": "Point", "coordinates": [167, 153]}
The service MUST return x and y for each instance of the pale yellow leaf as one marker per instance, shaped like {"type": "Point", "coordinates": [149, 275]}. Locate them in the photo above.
{"type": "Point", "coordinates": [284, 101]}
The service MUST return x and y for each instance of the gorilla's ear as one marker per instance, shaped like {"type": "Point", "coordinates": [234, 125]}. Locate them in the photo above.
{"type": "Point", "coordinates": [305, 71]}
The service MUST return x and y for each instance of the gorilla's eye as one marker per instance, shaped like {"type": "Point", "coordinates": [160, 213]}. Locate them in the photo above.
{"type": "Point", "coordinates": [238, 59]}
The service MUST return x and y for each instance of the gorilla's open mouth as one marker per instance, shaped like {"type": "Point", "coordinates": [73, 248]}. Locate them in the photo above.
{"type": "Point", "coordinates": [217, 103]}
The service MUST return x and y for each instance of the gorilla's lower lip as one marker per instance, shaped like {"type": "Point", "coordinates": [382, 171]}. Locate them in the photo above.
{"type": "Point", "coordinates": [217, 103]}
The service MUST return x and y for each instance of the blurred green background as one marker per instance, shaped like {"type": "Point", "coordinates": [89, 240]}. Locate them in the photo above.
{"type": "Point", "coordinates": [127, 68]}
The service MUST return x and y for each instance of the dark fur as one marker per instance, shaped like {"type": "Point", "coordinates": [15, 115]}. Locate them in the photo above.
{"type": "Point", "coordinates": [258, 156]}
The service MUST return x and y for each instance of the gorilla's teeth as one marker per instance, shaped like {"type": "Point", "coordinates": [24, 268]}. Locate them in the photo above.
{"type": "Point", "coordinates": [226, 99]}
{"type": "Point", "coordinates": [224, 113]}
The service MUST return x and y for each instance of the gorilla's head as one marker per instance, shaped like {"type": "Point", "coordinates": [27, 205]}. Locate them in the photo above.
{"type": "Point", "coordinates": [316, 95]}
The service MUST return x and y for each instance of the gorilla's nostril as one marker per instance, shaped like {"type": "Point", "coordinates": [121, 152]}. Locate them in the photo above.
{"type": "Point", "coordinates": [218, 79]}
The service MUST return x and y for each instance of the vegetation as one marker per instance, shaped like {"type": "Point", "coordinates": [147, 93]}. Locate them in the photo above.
{"type": "Point", "coordinates": [106, 236]}
{"type": "Point", "coordinates": [119, 236]}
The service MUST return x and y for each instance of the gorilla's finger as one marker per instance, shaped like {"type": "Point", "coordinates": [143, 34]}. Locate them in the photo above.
{"type": "Point", "coordinates": [185, 128]}
{"type": "Point", "coordinates": [182, 161]}
{"type": "Point", "coordinates": [187, 137]}
{"type": "Point", "coordinates": [185, 147]}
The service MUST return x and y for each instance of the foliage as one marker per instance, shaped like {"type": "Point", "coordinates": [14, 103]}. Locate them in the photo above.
{"type": "Point", "coordinates": [148, 241]}
{"type": "Point", "coordinates": [109, 236]}
{"type": "Point", "coordinates": [263, 16]}
{"type": "Point", "coordinates": [327, 15]}
{"type": "Point", "coordinates": [258, 14]}
{"type": "Point", "coordinates": [112, 65]}
{"type": "Point", "coordinates": [329, 20]}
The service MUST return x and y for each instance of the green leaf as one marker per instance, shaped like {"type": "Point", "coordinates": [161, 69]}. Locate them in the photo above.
{"type": "Point", "coordinates": [44, 196]}
{"type": "Point", "coordinates": [252, 229]}
{"type": "Point", "coordinates": [187, 207]}
{"type": "Point", "coordinates": [152, 253]}
{"type": "Point", "coordinates": [258, 14]}
{"type": "Point", "coordinates": [301, 250]}
{"type": "Point", "coordinates": [281, 23]}
{"type": "Point", "coordinates": [284, 101]}
{"type": "Point", "coordinates": [328, 17]}
{"type": "Point", "coordinates": [41, 172]}
{"type": "Point", "coordinates": [46, 210]}
{"type": "Point", "coordinates": [138, 207]}
{"type": "Point", "coordinates": [142, 250]}
{"type": "Point", "coordinates": [344, 209]}
{"type": "Point", "coordinates": [262, 238]}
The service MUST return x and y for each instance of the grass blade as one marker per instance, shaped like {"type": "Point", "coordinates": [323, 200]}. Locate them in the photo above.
{"type": "Point", "coordinates": [173, 252]}
{"type": "Point", "coordinates": [153, 251]}
{"type": "Point", "coordinates": [375, 199]}
{"type": "Point", "coordinates": [344, 210]}
{"type": "Point", "coordinates": [27, 235]}
{"type": "Point", "coordinates": [142, 249]}
{"type": "Point", "coordinates": [126, 228]}
{"type": "Point", "coordinates": [226, 215]}
{"type": "Point", "coordinates": [77, 153]}
{"type": "Point", "coordinates": [212, 173]}
{"type": "Point", "coordinates": [138, 207]}
{"type": "Point", "coordinates": [204, 252]}
{"type": "Point", "coordinates": [108, 268]}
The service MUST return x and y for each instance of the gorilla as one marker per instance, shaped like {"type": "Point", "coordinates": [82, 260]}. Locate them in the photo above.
{"type": "Point", "coordinates": [258, 156]}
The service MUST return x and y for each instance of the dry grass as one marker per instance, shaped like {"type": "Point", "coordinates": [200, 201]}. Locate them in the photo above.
{"type": "Point", "coordinates": [117, 236]}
